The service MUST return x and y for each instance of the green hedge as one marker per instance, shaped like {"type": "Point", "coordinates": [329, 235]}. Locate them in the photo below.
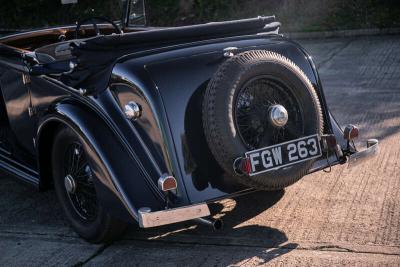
{"type": "Point", "coordinates": [22, 14]}
{"type": "Point", "coordinates": [296, 15]}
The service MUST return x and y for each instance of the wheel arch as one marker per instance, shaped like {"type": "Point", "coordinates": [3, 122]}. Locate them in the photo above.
{"type": "Point", "coordinates": [47, 132]}
{"type": "Point", "coordinates": [101, 145]}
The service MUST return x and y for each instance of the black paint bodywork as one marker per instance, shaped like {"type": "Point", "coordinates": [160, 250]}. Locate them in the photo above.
{"type": "Point", "coordinates": [128, 157]}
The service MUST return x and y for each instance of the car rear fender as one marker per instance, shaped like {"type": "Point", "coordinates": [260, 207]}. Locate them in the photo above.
{"type": "Point", "coordinates": [182, 81]}
{"type": "Point", "coordinates": [121, 186]}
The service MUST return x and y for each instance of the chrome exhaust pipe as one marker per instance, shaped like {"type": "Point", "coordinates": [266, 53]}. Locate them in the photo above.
{"type": "Point", "coordinates": [216, 224]}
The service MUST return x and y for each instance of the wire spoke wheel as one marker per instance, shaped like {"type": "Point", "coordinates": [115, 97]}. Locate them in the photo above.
{"type": "Point", "coordinates": [257, 99]}
{"type": "Point", "coordinates": [74, 183]}
{"type": "Point", "coordinates": [79, 182]}
{"type": "Point", "coordinates": [252, 111]}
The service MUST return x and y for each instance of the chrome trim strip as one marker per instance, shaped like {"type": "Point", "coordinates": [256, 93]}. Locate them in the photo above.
{"type": "Point", "coordinates": [6, 157]}
{"type": "Point", "coordinates": [169, 216]}
{"type": "Point", "coordinates": [4, 151]}
{"type": "Point", "coordinates": [6, 165]}
{"type": "Point", "coordinates": [361, 156]}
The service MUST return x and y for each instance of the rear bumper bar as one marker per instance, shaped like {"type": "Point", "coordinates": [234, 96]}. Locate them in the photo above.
{"type": "Point", "coordinates": [149, 219]}
{"type": "Point", "coordinates": [361, 156]}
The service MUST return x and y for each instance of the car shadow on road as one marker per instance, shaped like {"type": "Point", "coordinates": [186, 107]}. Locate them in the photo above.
{"type": "Point", "coordinates": [29, 211]}
{"type": "Point", "coordinates": [261, 241]}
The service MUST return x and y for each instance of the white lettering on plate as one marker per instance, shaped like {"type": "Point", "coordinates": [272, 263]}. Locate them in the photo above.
{"type": "Point", "coordinates": [277, 153]}
{"type": "Point", "coordinates": [266, 160]}
{"type": "Point", "coordinates": [253, 161]}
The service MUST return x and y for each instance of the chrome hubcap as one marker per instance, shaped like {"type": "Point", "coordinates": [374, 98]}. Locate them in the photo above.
{"type": "Point", "coordinates": [278, 115]}
{"type": "Point", "coordinates": [69, 183]}
{"type": "Point", "coordinates": [267, 113]}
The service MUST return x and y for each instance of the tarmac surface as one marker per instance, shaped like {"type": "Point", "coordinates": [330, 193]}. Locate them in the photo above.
{"type": "Point", "coordinates": [350, 216]}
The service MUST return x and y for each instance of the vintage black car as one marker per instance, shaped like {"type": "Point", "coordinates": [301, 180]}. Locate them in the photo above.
{"type": "Point", "coordinates": [138, 124]}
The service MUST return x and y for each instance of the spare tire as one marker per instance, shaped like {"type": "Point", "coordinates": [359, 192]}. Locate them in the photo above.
{"type": "Point", "coordinates": [236, 105]}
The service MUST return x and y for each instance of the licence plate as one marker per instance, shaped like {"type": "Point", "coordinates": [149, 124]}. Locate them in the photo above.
{"type": "Point", "coordinates": [284, 154]}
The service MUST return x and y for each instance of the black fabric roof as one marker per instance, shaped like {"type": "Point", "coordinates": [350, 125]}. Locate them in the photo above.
{"type": "Point", "coordinates": [97, 55]}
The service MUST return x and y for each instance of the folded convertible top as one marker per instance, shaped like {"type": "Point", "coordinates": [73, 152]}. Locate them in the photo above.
{"type": "Point", "coordinates": [94, 70]}
{"type": "Point", "coordinates": [185, 33]}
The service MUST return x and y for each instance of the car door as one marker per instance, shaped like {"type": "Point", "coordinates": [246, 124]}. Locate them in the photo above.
{"type": "Point", "coordinates": [15, 89]}
{"type": "Point", "coordinates": [4, 127]}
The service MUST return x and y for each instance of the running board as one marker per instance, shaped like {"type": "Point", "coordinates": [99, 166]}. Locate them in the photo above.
{"type": "Point", "coordinates": [18, 170]}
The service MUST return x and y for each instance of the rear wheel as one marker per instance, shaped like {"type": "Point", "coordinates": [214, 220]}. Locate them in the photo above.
{"type": "Point", "coordinates": [75, 189]}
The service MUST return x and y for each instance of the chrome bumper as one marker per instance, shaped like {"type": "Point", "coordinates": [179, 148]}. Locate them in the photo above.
{"type": "Point", "coordinates": [149, 219]}
{"type": "Point", "coordinates": [361, 156]}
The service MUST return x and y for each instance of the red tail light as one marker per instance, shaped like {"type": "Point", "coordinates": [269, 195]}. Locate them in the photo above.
{"type": "Point", "coordinates": [167, 183]}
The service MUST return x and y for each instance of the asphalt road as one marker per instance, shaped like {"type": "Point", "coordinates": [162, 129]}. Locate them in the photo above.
{"type": "Point", "coordinates": [345, 217]}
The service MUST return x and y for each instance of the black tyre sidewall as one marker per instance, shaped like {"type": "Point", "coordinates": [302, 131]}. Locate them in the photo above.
{"type": "Point", "coordinates": [95, 231]}
{"type": "Point", "coordinates": [218, 115]}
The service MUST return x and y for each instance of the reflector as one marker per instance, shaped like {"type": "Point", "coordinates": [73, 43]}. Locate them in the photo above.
{"type": "Point", "coordinates": [167, 183]}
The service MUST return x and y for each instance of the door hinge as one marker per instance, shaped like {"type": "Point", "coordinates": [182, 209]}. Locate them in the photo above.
{"type": "Point", "coordinates": [31, 111]}
{"type": "Point", "coordinates": [26, 79]}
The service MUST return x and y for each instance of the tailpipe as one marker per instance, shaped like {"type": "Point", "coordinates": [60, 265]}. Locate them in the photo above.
{"type": "Point", "coordinates": [216, 224]}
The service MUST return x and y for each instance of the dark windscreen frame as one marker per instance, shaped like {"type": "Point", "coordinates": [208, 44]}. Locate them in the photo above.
{"type": "Point", "coordinates": [128, 11]}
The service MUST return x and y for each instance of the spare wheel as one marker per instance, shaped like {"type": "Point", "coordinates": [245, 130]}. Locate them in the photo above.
{"type": "Point", "coordinates": [238, 113]}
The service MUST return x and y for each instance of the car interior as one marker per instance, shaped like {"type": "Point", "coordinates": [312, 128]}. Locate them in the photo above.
{"type": "Point", "coordinates": [53, 44]}
{"type": "Point", "coordinates": [83, 20]}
